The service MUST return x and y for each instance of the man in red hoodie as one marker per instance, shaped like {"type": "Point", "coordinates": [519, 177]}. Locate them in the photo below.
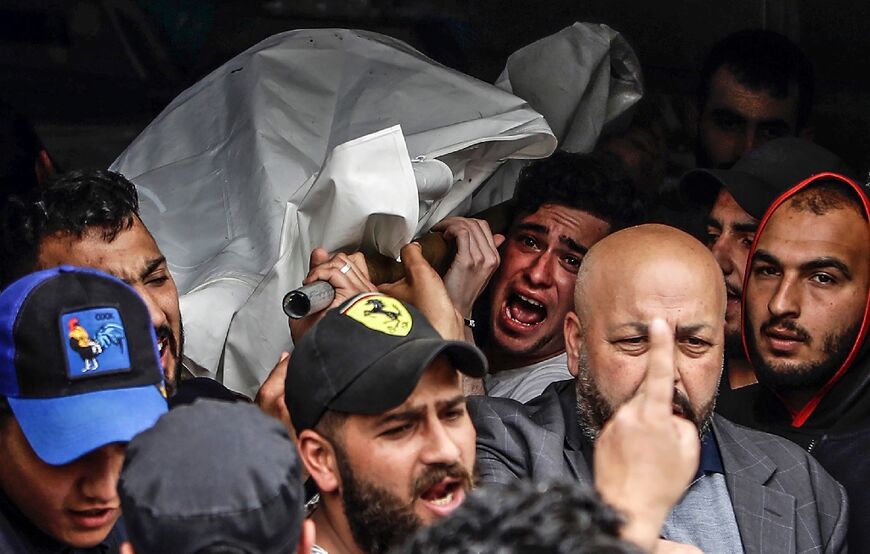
{"type": "Point", "coordinates": [806, 310]}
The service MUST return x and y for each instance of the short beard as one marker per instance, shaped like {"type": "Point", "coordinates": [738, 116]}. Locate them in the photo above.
{"type": "Point", "coordinates": [177, 350]}
{"type": "Point", "coordinates": [808, 376]}
{"type": "Point", "coordinates": [378, 519]}
{"type": "Point", "coordinates": [593, 410]}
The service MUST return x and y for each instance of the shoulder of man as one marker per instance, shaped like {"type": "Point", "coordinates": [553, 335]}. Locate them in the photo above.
{"type": "Point", "coordinates": [520, 441]}
{"type": "Point", "coordinates": [820, 504]}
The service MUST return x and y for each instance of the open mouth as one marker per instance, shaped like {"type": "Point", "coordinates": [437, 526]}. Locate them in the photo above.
{"type": "Point", "coordinates": [524, 311]}
{"type": "Point", "coordinates": [93, 518]}
{"type": "Point", "coordinates": [165, 344]}
{"type": "Point", "coordinates": [444, 496]}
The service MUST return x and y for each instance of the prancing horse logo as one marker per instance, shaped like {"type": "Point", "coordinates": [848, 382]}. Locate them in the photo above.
{"type": "Point", "coordinates": [380, 313]}
{"type": "Point", "coordinates": [378, 308]}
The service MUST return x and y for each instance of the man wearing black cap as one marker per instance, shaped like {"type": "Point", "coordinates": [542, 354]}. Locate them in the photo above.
{"type": "Point", "coordinates": [245, 495]}
{"type": "Point", "coordinates": [735, 200]}
{"type": "Point", "coordinates": [79, 377]}
{"type": "Point", "coordinates": [375, 398]}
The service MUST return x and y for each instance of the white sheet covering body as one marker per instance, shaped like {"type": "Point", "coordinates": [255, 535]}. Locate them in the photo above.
{"type": "Point", "coordinates": [335, 138]}
{"type": "Point", "coordinates": [583, 79]}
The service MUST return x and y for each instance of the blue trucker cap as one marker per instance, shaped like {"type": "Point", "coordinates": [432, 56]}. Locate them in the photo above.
{"type": "Point", "coordinates": [79, 363]}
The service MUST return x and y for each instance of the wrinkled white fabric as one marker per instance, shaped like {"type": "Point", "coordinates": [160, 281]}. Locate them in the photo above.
{"type": "Point", "coordinates": [337, 138]}
{"type": "Point", "coordinates": [583, 79]}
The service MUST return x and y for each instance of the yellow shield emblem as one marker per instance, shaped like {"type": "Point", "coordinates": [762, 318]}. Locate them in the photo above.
{"type": "Point", "coordinates": [381, 313]}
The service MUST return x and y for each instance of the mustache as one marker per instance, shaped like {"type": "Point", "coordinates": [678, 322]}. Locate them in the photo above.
{"type": "Point", "coordinates": [787, 324]}
{"type": "Point", "coordinates": [438, 473]}
{"type": "Point", "coordinates": [682, 402]}
{"type": "Point", "coordinates": [164, 332]}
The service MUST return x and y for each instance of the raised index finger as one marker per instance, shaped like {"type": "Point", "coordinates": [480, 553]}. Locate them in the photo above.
{"type": "Point", "coordinates": [658, 384]}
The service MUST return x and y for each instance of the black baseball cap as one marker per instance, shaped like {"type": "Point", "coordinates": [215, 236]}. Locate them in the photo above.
{"type": "Point", "coordinates": [79, 365]}
{"type": "Point", "coordinates": [762, 174]}
{"type": "Point", "coordinates": [213, 473]}
{"type": "Point", "coordinates": [366, 357]}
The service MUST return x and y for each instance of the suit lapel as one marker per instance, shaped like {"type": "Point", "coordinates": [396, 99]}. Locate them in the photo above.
{"type": "Point", "coordinates": [765, 516]}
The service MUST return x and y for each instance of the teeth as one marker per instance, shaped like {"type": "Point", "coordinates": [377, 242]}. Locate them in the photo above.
{"type": "Point", "coordinates": [530, 301]}
{"type": "Point", "coordinates": [447, 499]}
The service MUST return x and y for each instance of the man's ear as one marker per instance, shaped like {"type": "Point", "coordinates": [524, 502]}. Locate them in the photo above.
{"type": "Point", "coordinates": [318, 456]}
{"type": "Point", "coordinates": [573, 331]}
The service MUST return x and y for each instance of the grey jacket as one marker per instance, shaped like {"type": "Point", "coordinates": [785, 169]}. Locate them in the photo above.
{"type": "Point", "coordinates": [782, 498]}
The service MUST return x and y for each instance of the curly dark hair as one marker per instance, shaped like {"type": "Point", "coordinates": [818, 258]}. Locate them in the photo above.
{"type": "Point", "coordinates": [526, 518]}
{"type": "Point", "coordinates": [762, 60]}
{"type": "Point", "coordinates": [71, 204]}
{"type": "Point", "coordinates": [592, 183]}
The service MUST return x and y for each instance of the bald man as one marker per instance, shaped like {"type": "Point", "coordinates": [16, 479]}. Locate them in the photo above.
{"type": "Point", "coordinates": [753, 492]}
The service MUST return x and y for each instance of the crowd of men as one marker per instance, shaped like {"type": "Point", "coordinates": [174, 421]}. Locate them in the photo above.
{"type": "Point", "coordinates": [618, 370]}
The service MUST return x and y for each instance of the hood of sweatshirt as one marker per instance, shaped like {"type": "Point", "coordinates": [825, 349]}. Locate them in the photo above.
{"type": "Point", "coordinates": [795, 286]}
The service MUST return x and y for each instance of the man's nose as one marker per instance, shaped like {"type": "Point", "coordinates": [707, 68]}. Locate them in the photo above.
{"type": "Point", "coordinates": [750, 140]}
{"type": "Point", "coordinates": [158, 316]}
{"type": "Point", "coordinates": [786, 299]}
{"type": "Point", "coordinates": [540, 272]}
{"type": "Point", "coordinates": [722, 252]}
{"type": "Point", "coordinates": [440, 446]}
{"type": "Point", "coordinates": [101, 470]}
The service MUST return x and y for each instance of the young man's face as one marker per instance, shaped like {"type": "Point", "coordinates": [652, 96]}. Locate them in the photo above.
{"type": "Point", "coordinates": [410, 466]}
{"type": "Point", "coordinates": [533, 288]}
{"type": "Point", "coordinates": [76, 503]}
{"type": "Point", "coordinates": [730, 231]}
{"type": "Point", "coordinates": [806, 294]}
{"type": "Point", "coordinates": [737, 119]}
{"type": "Point", "coordinates": [134, 258]}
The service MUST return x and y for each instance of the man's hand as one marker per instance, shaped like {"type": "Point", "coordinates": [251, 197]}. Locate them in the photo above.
{"type": "Point", "coordinates": [423, 288]}
{"type": "Point", "coordinates": [270, 397]}
{"type": "Point", "coordinates": [347, 273]}
{"type": "Point", "coordinates": [646, 456]}
{"type": "Point", "coordinates": [476, 259]}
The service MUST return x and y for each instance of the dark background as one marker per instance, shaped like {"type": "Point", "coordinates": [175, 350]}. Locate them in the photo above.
{"type": "Point", "coordinates": [91, 74]}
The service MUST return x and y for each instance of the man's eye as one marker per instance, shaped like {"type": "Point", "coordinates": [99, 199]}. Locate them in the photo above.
{"type": "Point", "coordinates": [695, 345]}
{"type": "Point", "coordinates": [770, 133]}
{"type": "Point", "coordinates": [765, 271]}
{"type": "Point", "coordinates": [746, 242]}
{"type": "Point", "coordinates": [452, 415]}
{"type": "Point", "coordinates": [823, 279]}
{"type": "Point", "coordinates": [632, 344]}
{"type": "Point", "coordinates": [572, 261]}
{"type": "Point", "coordinates": [529, 241]}
{"type": "Point", "coordinates": [157, 280]}
{"type": "Point", "coordinates": [712, 237]}
{"type": "Point", "coordinates": [727, 123]}
{"type": "Point", "coordinates": [397, 431]}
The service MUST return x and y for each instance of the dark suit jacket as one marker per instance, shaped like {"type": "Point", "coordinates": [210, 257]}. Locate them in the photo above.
{"type": "Point", "coordinates": [782, 498]}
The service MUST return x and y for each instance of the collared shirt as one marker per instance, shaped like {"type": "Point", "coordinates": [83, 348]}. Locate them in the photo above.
{"type": "Point", "coordinates": [19, 536]}
{"type": "Point", "coordinates": [705, 516]}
